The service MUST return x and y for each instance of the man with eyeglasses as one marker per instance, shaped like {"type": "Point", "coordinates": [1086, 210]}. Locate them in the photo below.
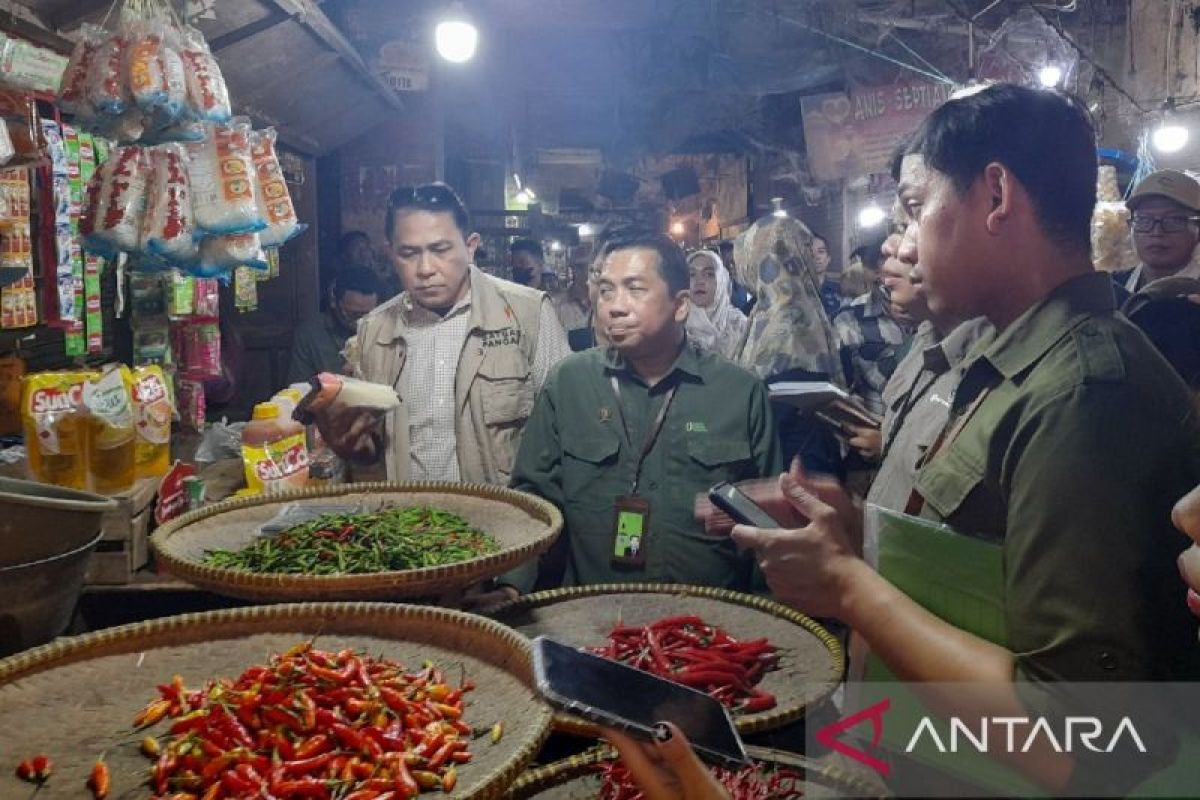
{"type": "Point", "coordinates": [1166, 228]}
{"type": "Point", "coordinates": [466, 352]}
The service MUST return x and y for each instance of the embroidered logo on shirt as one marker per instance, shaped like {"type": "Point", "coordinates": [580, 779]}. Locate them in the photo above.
{"type": "Point", "coordinates": [502, 338]}
{"type": "Point", "coordinates": [605, 414]}
{"type": "Point", "coordinates": [695, 427]}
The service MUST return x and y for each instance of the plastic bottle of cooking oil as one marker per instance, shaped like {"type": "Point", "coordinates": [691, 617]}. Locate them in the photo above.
{"type": "Point", "coordinates": [153, 410]}
{"type": "Point", "coordinates": [55, 428]}
{"type": "Point", "coordinates": [108, 398]}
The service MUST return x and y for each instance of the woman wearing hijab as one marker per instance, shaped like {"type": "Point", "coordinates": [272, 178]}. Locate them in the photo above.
{"type": "Point", "coordinates": [713, 323]}
{"type": "Point", "coordinates": [789, 336]}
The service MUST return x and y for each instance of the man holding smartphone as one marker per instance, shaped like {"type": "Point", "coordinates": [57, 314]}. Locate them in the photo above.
{"type": "Point", "coordinates": [1047, 452]}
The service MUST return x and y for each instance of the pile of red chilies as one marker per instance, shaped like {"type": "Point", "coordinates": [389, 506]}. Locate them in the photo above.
{"type": "Point", "coordinates": [690, 651]}
{"type": "Point", "coordinates": [751, 783]}
{"type": "Point", "coordinates": [311, 724]}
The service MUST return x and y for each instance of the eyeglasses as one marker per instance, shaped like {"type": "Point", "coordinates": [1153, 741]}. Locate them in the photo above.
{"type": "Point", "coordinates": [435, 195]}
{"type": "Point", "coordinates": [1176, 223]}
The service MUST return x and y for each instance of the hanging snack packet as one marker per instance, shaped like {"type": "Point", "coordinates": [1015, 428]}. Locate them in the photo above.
{"type": "Point", "coordinates": [167, 226]}
{"type": "Point", "coordinates": [55, 428]}
{"type": "Point", "coordinates": [19, 114]}
{"type": "Point", "coordinates": [201, 350]}
{"type": "Point", "coordinates": [207, 93]}
{"type": "Point", "coordinates": [153, 411]}
{"type": "Point", "coordinates": [73, 90]}
{"type": "Point", "coordinates": [117, 220]}
{"type": "Point", "coordinates": [107, 90]}
{"type": "Point", "coordinates": [222, 171]}
{"type": "Point", "coordinates": [274, 200]}
{"type": "Point", "coordinates": [192, 406]}
{"type": "Point", "coordinates": [147, 78]}
{"type": "Point", "coordinates": [220, 254]}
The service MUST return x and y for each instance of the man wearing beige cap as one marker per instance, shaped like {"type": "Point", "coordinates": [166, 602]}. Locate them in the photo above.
{"type": "Point", "coordinates": [1165, 210]}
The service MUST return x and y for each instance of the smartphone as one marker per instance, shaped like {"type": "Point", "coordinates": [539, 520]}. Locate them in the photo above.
{"type": "Point", "coordinates": [744, 511]}
{"type": "Point", "coordinates": [616, 696]}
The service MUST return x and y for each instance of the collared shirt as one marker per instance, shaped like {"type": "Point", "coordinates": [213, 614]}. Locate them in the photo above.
{"type": "Point", "coordinates": [427, 381]}
{"type": "Point", "coordinates": [427, 384]}
{"type": "Point", "coordinates": [917, 400]}
{"type": "Point", "coordinates": [571, 313]}
{"type": "Point", "coordinates": [1069, 441]}
{"type": "Point", "coordinates": [871, 343]}
{"type": "Point", "coordinates": [1134, 283]}
{"type": "Point", "coordinates": [718, 427]}
{"type": "Point", "coordinates": [317, 347]}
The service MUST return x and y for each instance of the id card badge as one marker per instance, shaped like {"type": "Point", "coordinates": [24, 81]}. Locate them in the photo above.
{"type": "Point", "coordinates": [631, 531]}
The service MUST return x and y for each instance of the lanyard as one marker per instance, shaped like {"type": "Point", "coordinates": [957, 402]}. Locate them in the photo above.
{"type": "Point", "coordinates": [651, 434]}
{"type": "Point", "coordinates": [915, 395]}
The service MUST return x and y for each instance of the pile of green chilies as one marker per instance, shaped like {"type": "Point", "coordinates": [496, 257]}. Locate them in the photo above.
{"type": "Point", "coordinates": [350, 544]}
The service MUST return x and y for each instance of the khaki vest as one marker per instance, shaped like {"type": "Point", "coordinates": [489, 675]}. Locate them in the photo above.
{"type": "Point", "coordinates": [493, 390]}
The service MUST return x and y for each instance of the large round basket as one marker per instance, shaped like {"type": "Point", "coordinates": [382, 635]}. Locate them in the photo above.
{"type": "Point", "coordinates": [74, 700]}
{"type": "Point", "coordinates": [812, 660]}
{"type": "Point", "coordinates": [578, 778]}
{"type": "Point", "coordinates": [524, 525]}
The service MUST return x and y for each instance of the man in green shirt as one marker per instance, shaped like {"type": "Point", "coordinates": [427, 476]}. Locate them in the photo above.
{"type": "Point", "coordinates": [317, 346]}
{"type": "Point", "coordinates": [1068, 441]}
{"type": "Point", "coordinates": [623, 439]}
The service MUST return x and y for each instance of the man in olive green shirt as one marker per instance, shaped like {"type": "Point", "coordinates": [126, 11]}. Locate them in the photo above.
{"type": "Point", "coordinates": [1069, 439]}
{"type": "Point", "coordinates": [596, 420]}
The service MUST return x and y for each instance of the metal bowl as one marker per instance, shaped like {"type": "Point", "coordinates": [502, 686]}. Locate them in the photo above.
{"type": "Point", "coordinates": [47, 534]}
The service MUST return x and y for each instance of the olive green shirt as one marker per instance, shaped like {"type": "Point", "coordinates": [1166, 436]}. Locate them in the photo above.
{"type": "Point", "coordinates": [719, 427]}
{"type": "Point", "coordinates": [1070, 438]}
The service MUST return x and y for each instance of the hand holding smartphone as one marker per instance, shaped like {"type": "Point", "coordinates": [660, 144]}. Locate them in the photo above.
{"type": "Point", "coordinates": [739, 507]}
{"type": "Point", "coordinates": [617, 696]}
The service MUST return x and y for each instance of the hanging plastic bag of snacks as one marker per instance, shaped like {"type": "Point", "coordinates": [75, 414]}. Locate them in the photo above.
{"type": "Point", "coordinates": [147, 78]}
{"type": "Point", "coordinates": [274, 200]}
{"type": "Point", "coordinates": [19, 115]}
{"type": "Point", "coordinates": [200, 358]}
{"type": "Point", "coordinates": [73, 90]}
{"type": "Point", "coordinates": [117, 220]}
{"type": "Point", "coordinates": [220, 254]}
{"type": "Point", "coordinates": [207, 92]}
{"type": "Point", "coordinates": [222, 170]}
{"type": "Point", "coordinates": [108, 90]}
{"type": "Point", "coordinates": [167, 226]}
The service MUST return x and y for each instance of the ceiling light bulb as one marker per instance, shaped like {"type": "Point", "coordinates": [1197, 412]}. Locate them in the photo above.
{"type": "Point", "coordinates": [1170, 137]}
{"type": "Point", "coordinates": [871, 216]}
{"type": "Point", "coordinates": [779, 210]}
{"type": "Point", "coordinates": [587, 229]}
{"type": "Point", "coordinates": [678, 229]}
{"type": "Point", "coordinates": [456, 39]}
{"type": "Point", "coordinates": [1050, 75]}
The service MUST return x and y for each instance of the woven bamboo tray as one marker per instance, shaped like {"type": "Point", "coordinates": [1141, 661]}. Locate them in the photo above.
{"type": "Point", "coordinates": [75, 699]}
{"type": "Point", "coordinates": [812, 660]}
{"type": "Point", "coordinates": [576, 778]}
{"type": "Point", "coordinates": [524, 525]}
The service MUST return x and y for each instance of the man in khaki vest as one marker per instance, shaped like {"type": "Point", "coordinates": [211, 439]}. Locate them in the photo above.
{"type": "Point", "coordinates": [466, 352]}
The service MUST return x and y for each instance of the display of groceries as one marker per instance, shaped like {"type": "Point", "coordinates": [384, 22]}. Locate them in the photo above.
{"type": "Point", "coordinates": [190, 186]}
{"type": "Point", "coordinates": [758, 782]}
{"type": "Point", "coordinates": [342, 543]}
{"type": "Point", "coordinates": [97, 430]}
{"type": "Point", "coordinates": [308, 723]}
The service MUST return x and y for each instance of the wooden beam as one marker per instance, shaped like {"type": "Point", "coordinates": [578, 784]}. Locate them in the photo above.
{"type": "Point", "coordinates": [73, 13]}
{"type": "Point", "coordinates": [313, 18]}
{"type": "Point", "coordinates": [30, 31]}
{"type": "Point", "coordinates": [230, 38]}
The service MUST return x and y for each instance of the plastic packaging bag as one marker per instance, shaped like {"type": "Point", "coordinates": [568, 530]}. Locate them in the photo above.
{"type": "Point", "coordinates": [153, 411]}
{"type": "Point", "coordinates": [219, 254]}
{"type": "Point", "coordinates": [274, 200]}
{"type": "Point", "coordinates": [108, 91]}
{"type": "Point", "coordinates": [167, 226]}
{"type": "Point", "coordinates": [121, 206]}
{"type": "Point", "coordinates": [207, 93]}
{"type": "Point", "coordinates": [147, 77]}
{"type": "Point", "coordinates": [201, 350]}
{"type": "Point", "coordinates": [189, 395]}
{"type": "Point", "coordinates": [19, 115]}
{"type": "Point", "coordinates": [73, 90]}
{"type": "Point", "coordinates": [222, 170]}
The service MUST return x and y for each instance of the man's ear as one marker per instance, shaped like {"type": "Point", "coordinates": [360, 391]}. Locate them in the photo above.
{"type": "Point", "coordinates": [683, 305]}
{"type": "Point", "coordinates": [1001, 187]}
{"type": "Point", "coordinates": [473, 242]}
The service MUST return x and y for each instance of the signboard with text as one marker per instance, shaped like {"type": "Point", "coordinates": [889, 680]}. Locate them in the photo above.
{"type": "Point", "coordinates": [852, 135]}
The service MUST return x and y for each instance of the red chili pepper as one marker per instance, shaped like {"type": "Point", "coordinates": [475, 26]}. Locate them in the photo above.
{"type": "Point", "coordinates": [100, 780]}
{"type": "Point", "coordinates": [237, 783]}
{"type": "Point", "coordinates": [152, 713]}
{"type": "Point", "coordinates": [307, 765]}
{"type": "Point", "coordinates": [313, 746]}
{"type": "Point", "coordinates": [301, 787]}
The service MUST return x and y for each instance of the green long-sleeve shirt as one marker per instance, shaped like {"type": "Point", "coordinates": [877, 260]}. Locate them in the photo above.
{"type": "Point", "coordinates": [1070, 440]}
{"type": "Point", "coordinates": [575, 454]}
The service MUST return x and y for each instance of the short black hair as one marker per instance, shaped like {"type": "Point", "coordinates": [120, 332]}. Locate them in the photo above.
{"type": "Point", "coordinates": [349, 237]}
{"type": "Point", "coordinates": [672, 262]}
{"type": "Point", "coordinates": [436, 197]}
{"type": "Point", "coordinates": [870, 254]}
{"type": "Point", "coordinates": [530, 246]}
{"type": "Point", "coordinates": [816, 236]}
{"type": "Point", "coordinates": [1045, 138]}
{"type": "Point", "coordinates": [725, 246]}
{"type": "Point", "coordinates": [355, 279]}
{"type": "Point", "coordinates": [903, 148]}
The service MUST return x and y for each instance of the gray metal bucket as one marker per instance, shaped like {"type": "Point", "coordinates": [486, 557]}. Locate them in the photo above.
{"type": "Point", "coordinates": [47, 534]}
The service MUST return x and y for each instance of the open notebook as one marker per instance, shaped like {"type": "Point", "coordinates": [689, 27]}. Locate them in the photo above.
{"type": "Point", "coordinates": [825, 400]}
